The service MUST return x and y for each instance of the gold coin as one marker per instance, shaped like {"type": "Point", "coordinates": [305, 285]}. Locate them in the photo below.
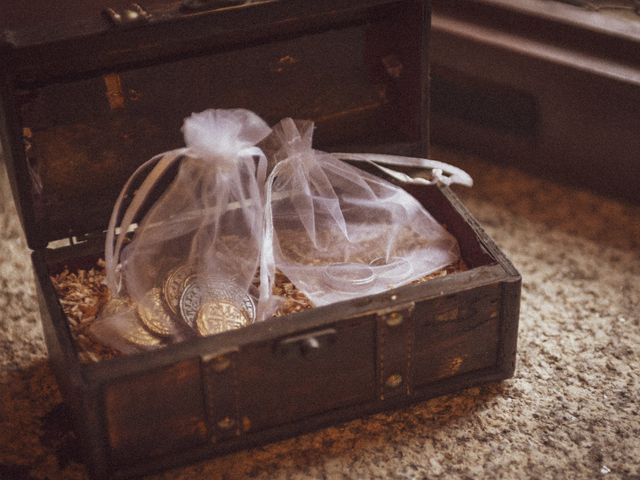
{"type": "Point", "coordinates": [219, 316]}
{"type": "Point", "coordinates": [115, 305]}
{"type": "Point", "coordinates": [141, 337]}
{"type": "Point", "coordinates": [153, 316]}
{"type": "Point", "coordinates": [173, 285]}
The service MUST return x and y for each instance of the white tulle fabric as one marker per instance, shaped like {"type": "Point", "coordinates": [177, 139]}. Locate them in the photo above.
{"type": "Point", "coordinates": [338, 232]}
{"type": "Point", "coordinates": [210, 216]}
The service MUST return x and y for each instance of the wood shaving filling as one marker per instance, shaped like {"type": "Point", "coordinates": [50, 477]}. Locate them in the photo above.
{"type": "Point", "coordinates": [83, 293]}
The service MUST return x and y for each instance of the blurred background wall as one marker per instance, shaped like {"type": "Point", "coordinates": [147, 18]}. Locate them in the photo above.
{"type": "Point", "coordinates": [551, 87]}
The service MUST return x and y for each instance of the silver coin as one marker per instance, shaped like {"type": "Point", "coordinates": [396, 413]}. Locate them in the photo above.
{"type": "Point", "coordinates": [198, 291]}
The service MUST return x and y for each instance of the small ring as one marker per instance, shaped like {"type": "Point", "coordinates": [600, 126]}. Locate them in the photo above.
{"type": "Point", "coordinates": [348, 276]}
{"type": "Point", "coordinates": [396, 268]}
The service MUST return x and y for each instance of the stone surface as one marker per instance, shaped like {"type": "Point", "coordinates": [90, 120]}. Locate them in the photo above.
{"type": "Point", "coordinates": [570, 412]}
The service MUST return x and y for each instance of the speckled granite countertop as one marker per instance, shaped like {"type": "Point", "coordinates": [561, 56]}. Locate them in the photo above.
{"type": "Point", "coordinates": [570, 412]}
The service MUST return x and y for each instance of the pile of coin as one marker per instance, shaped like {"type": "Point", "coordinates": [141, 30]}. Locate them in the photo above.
{"type": "Point", "coordinates": [185, 303]}
{"type": "Point", "coordinates": [83, 296]}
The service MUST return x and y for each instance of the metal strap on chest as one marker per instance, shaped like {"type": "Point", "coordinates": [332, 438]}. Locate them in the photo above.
{"type": "Point", "coordinates": [220, 380]}
{"type": "Point", "coordinates": [394, 330]}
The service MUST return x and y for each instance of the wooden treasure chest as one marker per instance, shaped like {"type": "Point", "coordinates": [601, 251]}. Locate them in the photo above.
{"type": "Point", "coordinates": [89, 90]}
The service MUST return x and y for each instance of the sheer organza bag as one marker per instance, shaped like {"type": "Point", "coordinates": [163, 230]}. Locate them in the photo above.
{"type": "Point", "coordinates": [191, 263]}
{"type": "Point", "coordinates": [339, 232]}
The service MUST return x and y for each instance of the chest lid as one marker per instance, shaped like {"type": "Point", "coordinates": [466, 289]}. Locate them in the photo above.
{"type": "Point", "coordinates": [90, 89]}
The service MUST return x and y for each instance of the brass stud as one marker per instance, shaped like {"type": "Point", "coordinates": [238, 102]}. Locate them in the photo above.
{"type": "Point", "coordinates": [114, 16]}
{"type": "Point", "coordinates": [246, 424]}
{"type": "Point", "coordinates": [455, 364]}
{"type": "Point", "coordinates": [394, 381]}
{"type": "Point", "coordinates": [131, 15]}
{"type": "Point", "coordinates": [226, 423]}
{"type": "Point", "coordinates": [220, 364]}
{"type": "Point", "coordinates": [394, 319]}
{"type": "Point", "coordinates": [134, 14]}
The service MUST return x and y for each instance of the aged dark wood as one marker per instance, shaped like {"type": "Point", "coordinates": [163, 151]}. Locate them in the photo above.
{"type": "Point", "coordinates": [359, 70]}
{"type": "Point", "coordinates": [548, 87]}
{"type": "Point", "coordinates": [84, 102]}
{"type": "Point", "coordinates": [134, 429]}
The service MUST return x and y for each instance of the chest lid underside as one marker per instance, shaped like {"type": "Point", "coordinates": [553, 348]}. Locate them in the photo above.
{"type": "Point", "coordinates": [87, 97]}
